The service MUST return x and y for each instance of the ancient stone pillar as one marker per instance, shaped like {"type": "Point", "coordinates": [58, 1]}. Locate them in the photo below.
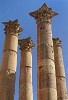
{"type": "Point", "coordinates": [45, 54]}
{"type": "Point", "coordinates": [60, 72]}
{"type": "Point", "coordinates": [9, 60]}
{"type": "Point", "coordinates": [25, 84]}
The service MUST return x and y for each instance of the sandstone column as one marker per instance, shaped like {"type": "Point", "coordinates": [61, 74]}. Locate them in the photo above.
{"type": "Point", "coordinates": [60, 72]}
{"type": "Point", "coordinates": [45, 54]}
{"type": "Point", "coordinates": [9, 60]}
{"type": "Point", "coordinates": [25, 88]}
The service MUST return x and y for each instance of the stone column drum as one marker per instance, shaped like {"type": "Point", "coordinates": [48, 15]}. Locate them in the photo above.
{"type": "Point", "coordinates": [9, 60]}
{"type": "Point", "coordinates": [25, 84]}
{"type": "Point", "coordinates": [45, 55]}
{"type": "Point", "coordinates": [60, 72]}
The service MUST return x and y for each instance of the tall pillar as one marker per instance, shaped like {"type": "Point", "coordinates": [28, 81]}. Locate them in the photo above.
{"type": "Point", "coordinates": [60, 72]}
{"type": "Point", "coordinates": [25, 84]}
{"type": "Point", "coordinates": [45, 55]}
{"type": "Point", "coordinates": [9, 60]}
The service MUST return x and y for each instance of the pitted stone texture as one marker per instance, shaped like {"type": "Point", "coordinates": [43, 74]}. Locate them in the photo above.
{"type": "Point", "coordinates": [45, 51]}
{"type": "Point", "coordinates": [47, 65]}
{"type": "Point", "coordinates": [25, 83]}
{"type": "Point", "coordinates": [63, 97]}
{"type": "Point", "coordinates": [9, 60]}
{"type": "Point", "coordinates": [44, 35]}
{"type": "Point", "coordinates": [60, 72]}
{"type": "Point", "coordinates": [61, 87]}
{"type": "Point", "coordinates": [44, 28]}
{"type": "Point", "coordinates": [25, 88]}
{"type": "Point", "coordinates": [7, 85]}
{"type": "Point", "coordinates": [59, 67]}
{"type": "Point", "coordinates": [59, 61]}
{"type": "Point", "coordinates": [47, 94]}
{"type": "Point", "coordinates": [28, 75]}
{"type": "Point", "coordinates": [22, 84]}
{"type": "Point", "coordinates": [48, 79]}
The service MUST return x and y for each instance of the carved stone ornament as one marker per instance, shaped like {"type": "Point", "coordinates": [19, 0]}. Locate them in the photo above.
{"type": "Point", "coordinates": [43, 14]}
{"type": "Point", "coordinates": [57, 42]}
{"type": "Point", "coordinates": [26, 43]}
{"type": "Point", "coordinates": [12, 27]}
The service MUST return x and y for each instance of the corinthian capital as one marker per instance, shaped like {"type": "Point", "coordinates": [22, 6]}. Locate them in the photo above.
{"type": "Point", "coordinates": [12, 27]}
{"type": "Point", "coordinates": [43, 14]}
{"type": "Point", "coordinates": [26, 44]}
{"type": "Point", "coordinates": [57, 42]}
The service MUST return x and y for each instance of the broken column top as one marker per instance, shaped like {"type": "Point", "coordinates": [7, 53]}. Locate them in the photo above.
{"type": "Point", "coordinates": [57, 42]}
{"type": "Point", "coordinates": [26, 44]}
{"type": "Point", "coordinates": [12, 27]}
{"type": "Point", "coordinates": [44, 13]}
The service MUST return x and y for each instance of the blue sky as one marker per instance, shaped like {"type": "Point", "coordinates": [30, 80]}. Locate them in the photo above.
{"type": "Point", "coordinates": [19, 9]}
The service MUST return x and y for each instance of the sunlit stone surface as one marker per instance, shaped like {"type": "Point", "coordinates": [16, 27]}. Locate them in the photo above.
{"type": "Point", "coordinates": [9, 60]}
{"type": "Point", "coordinates": [60, 72]}
{"type": "Point", "coordinates": [46, 77]}
{"type": "Point", "coordinates": [25, 82]}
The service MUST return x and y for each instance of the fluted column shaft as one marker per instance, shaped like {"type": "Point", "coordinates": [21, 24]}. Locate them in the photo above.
{"type": "Point", "coordinates": [9, 60]}
{"type": "Point", "coordinates": [46, 79]}
{"type": "Point", "coordinates": [25, 82]}
{"type": "Point", "coordinates": [60, 72]}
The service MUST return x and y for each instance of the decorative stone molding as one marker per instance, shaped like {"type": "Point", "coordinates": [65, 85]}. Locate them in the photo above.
{"type": "Point", "coordinates": [43, 14]}
{"type": "Point", "coordinates": [57, 42]}
{"type": "Point", "coordinates": [12, 27]}
{"type": "Point", "coordinates": [26, 44]}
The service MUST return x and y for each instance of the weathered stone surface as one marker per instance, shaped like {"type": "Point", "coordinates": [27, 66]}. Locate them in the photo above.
{"type": "Point", "coordinates": [46, 53]}
{"type": "Point", "coordinates": [25, 82]}
{"type": "Point", "coordinates": [9, 60]}
{"type": "Point", "coordinates": [12, 27]}
{"type": "Point", "coordinates": [47, 65]}
{"type": "Point", "coordinates": [47, 94]}
{"type": "Point", "coordinates": [10, 43]}
{"type": "Point", "coordinates": [60, 72]}
{"type": "Point", "coordinates": [26, 56]}
{"type": "Point", "coordinates": [7, 84]}
{"type": "Point", "coordinates": [43, 14]}
{"type": "Point", "coordinates": [46, 79]}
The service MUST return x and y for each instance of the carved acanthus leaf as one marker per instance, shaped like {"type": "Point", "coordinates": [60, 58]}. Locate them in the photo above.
{"type": "Point", "coordinates": [26, 43]}
{"type": "Point", "coordinates": [44, 13]}
{"type": "Point", "coordinates": [57, 42]}
{"type": "Point", "coordinates": [12, 27]}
